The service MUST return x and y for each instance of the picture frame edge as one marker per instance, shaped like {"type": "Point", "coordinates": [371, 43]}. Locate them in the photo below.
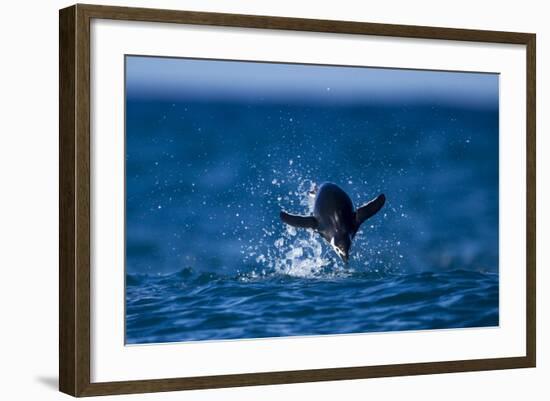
{"type": "Point", "coordinates": [74, 200]}
{"type": "Point", "coordinates": [67, 294]}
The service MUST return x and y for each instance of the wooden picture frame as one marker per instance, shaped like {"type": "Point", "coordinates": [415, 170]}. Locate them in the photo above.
{"type": "Point", "coordinates": [74, 200]}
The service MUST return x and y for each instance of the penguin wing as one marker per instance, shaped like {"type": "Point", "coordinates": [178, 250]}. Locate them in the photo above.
{"type": "Point", "coordinates": [299, 221]}
{"type": "Point", "coordinates": [369, 209]}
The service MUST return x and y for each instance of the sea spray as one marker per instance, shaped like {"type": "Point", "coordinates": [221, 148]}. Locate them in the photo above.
{"type": "Point", "coordinates": [296, 253]}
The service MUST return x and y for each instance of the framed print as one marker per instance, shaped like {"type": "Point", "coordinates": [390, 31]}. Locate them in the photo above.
{"type": "Point", "coordinates": [250, 200]}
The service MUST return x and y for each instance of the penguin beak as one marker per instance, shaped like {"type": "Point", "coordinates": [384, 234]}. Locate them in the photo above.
{"type": "Point", "coordinates": [344, 255]}
{"type": "Point", "coordinates": [340, 251]}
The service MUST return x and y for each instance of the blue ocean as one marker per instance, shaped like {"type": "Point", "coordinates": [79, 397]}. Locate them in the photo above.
{"type": "Point", "coordinates": [216, 149]}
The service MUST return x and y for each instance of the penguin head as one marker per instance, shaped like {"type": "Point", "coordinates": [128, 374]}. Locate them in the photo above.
{"type": "Point", "coordinates": [341, 244]}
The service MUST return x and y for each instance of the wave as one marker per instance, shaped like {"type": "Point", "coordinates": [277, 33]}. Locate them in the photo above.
{"type": "Point", "coordinates": [190, 305]}
{"type": "Point", "coordinates": [189, 275]}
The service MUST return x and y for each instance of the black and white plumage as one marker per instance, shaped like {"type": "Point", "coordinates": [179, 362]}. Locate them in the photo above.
{"type": "Point", "coordinates": [335, 218]}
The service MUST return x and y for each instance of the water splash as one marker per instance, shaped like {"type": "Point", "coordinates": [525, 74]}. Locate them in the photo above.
{"type": "Point", "coordinates": [296, 253]}
{"type": "Point", "coordinates": [299, 255]}
{"type": "Point", "coordinates": [277, 248]}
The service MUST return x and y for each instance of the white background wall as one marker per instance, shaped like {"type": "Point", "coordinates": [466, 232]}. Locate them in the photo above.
{"type": "Point", "coordinates": [28, 200]}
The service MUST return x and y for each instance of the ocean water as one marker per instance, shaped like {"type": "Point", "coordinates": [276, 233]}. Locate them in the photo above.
{"type": "Point", "coordinates": [207, 257]}
{"type": "Point", "coordinates": [207, 306]}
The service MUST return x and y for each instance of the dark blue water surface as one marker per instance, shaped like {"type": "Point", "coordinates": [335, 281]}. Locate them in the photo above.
{"type": "Point", "coordinates": [208, 258]}
{"type": "Point", "coordinates": [190, 306]}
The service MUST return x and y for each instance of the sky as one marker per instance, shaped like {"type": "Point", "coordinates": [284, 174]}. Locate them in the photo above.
{"type": "Point", "coordinates": [201, 79]}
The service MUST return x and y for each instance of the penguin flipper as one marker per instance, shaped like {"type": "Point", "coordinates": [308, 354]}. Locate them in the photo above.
{"type": "Point", "coordinates": [369, 209]}
{"type": "Point", "coordinates": [299, 221]}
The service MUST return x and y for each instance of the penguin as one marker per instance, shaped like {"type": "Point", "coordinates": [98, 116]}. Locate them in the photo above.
{"type": "Point", "coordinates": [335, 218]}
